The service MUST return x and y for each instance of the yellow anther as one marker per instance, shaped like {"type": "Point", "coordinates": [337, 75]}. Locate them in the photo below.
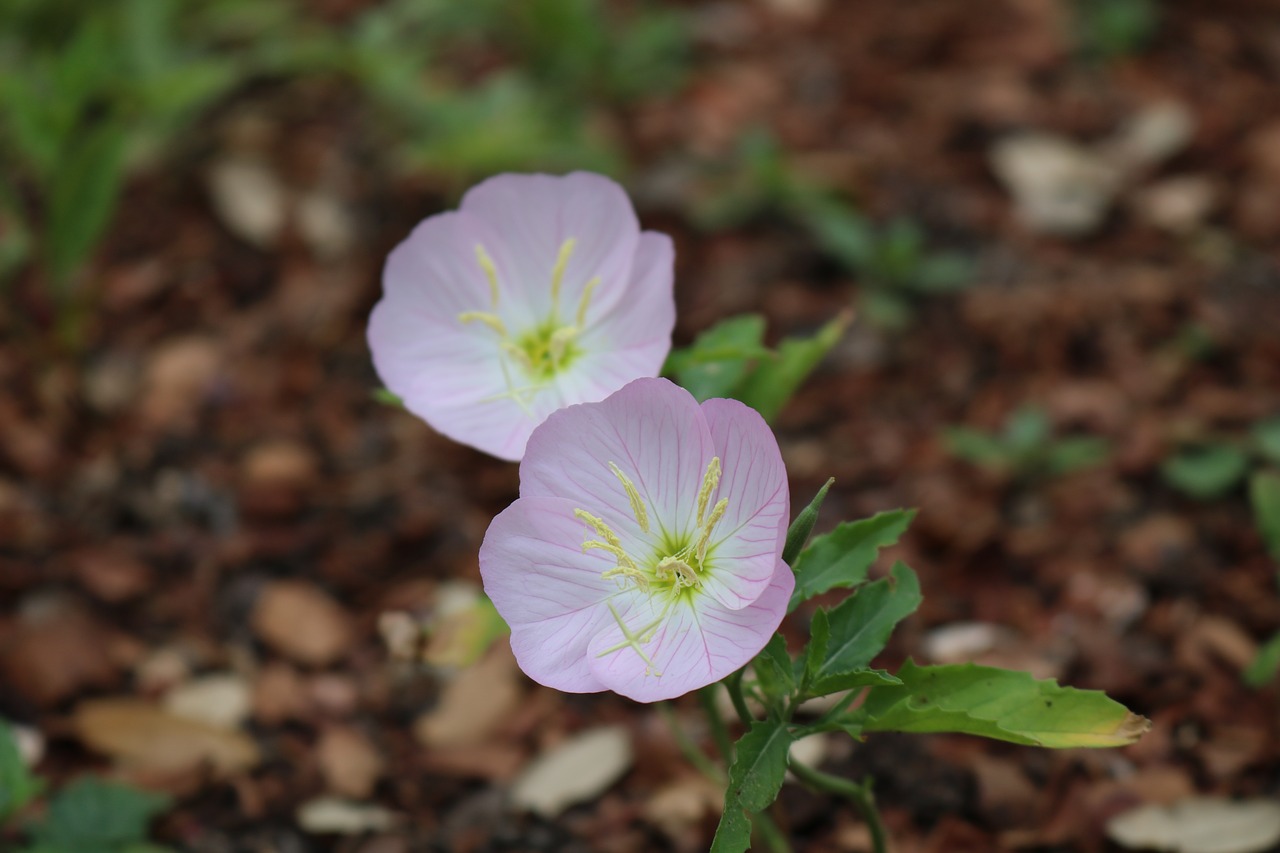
{"type": "Point", "coordinates": [602, 530]}
{"type": "Point", "coordinates": [493, 321]}
{"type": "Point", "coordinates": [519, 354]}
{"type": "Point", "coordinates": [684, 574]}
{"type": "Point", "coordinates": [628, 572]}
{"type": "Point", "coordinates": [557, 272]}
{"type": "Point", "coordinates": [587, 290]}
{"type": "Point", "coordinates": [615, 550]}
{"type": "Point", "coordinates": [490, 271]}
{"type": "Point", "coordinates": [710, 480]}
{"type": "Point", "coordinates": [633, 495]}
{"type": "Point", "coordinates": [559, 343]}
{"type": "Point", "coordinates": [716, 514]}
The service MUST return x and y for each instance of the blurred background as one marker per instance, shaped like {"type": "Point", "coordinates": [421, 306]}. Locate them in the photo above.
{"type": "Point", "coordinates": [230, 575]}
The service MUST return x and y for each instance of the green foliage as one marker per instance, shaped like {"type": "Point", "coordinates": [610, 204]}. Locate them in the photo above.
{"type": "Point", "coordinates": [998, 704]}
{"type": "Point", "coordinates": [1264, 495]}
{"type": "Point", "coordinates": [1110, 29]}
{"type": "Point", "coordinates": [1266, 439]}
{"type": "Point", "coordinates": [1206, 472]}
{"type": "Point", "coordinates": [730, 360]}
{"type": "Point", "coordinates": [82, 96]}
{"type": "Point", "coordinates": [843, 642]}
{"type": "Point", "coordinates": [755, 777]}
{"type": "Point", "coordinates": [88, 815]}
{"type": "Point", "coordinates": [17, 785]}
{"type": "Point", "coordinates": [892, 262]}
{"type": "Point", "coordinates": [841, 558]}
{"type": "Point", "coordinates": [1025, 448]}
{"type": "Point", "coordinates": [93, 816]}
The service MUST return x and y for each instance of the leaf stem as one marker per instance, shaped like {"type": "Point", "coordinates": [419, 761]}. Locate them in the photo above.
{"type": "Point", "coordinates": [860, 795]}
{"type": "Point", "coordinates": [719, 731]}
{"type": "Point", "coordinates": [688, 748]}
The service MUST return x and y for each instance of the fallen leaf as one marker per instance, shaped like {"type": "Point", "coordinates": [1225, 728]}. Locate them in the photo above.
{"type": "Point", "coordinates": [141, 735]}
{"type": "Point", "coordinates": [1200, 825]}
{"type": "Point", "coordinates": [302, 622]}
{"type": "Point", "coordinates": [576, 770]}
{"type": "Point", "coordinates": [473, 704]}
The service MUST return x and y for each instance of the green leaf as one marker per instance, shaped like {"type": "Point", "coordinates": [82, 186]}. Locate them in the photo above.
{"type": "Point", "coordinates": [999, 704]}
{"type": "Point", "coordinates": [1264, 494]}
{"type": "Point", "coordinates": [83, 198]}
{"type": "Point", "coordinates": [815, 652]}
{"type": "Point", "coordinates": [942, 273]}
{"type": "Point", "coordinates": [718, 359]}
{"type": "Point", "coordinates": [759, 767]}
{"type": "Point", "coordinates": [861, 625]}
{"type": "Point", "coordinates": [775, 671]}
{"type": "Point", "coordinates": [885, 309]}
{"type": "Point", "coordinates": [798, 532]}
{"type": "Point", "coordinates": [1266, 435]}
{"type": "Point", "coordinates": [1072, 454]}
{"type": "Point", "coordinates": [773, 381]}
{"type": "Point", "coordinates": [1207, 472]}
{"type": "Point", "coordinates": [842, 557]}
{"type": "Point", "coordinates": [91, 815]}
{"type": "Point", "coordinates": [17, 786]}
{"type": "Point", "coordinates": [1265, 664]}
{"type": "Point", "coordinates": [976, 446]}
{"type": "Point", "coordinates": [852, 679]}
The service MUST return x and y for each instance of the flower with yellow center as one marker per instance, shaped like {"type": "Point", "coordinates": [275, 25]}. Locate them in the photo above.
{"type": "Point", "coordinates": [537, 293]}
{"type": "Point", "coordinates": [644, 553]}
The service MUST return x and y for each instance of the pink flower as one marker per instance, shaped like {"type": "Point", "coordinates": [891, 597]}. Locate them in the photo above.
{"type": "Point", "coordinates": [644, 554]}
{"type": "Point", "coordinates": [537, 293]}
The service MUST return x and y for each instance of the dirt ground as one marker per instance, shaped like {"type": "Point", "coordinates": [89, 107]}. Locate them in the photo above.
{"type": "Point", "coordinates": [207, 506]}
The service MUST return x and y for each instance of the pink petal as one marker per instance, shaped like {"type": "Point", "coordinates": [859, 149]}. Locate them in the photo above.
{"type": "Point", "coordinates": [748, 540]}
{"type": "Point", "coordinates": [536, 214]}
{"type": "Point", "coordinates": [651, 429]}
{"type": "Point", "coordinates": [549, 591]}
{"type": "Point", "coordinates": [699, 643]}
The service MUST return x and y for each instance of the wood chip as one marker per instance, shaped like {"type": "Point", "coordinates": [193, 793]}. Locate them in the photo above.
{"type": "Point", "coordinates": [222, 700]}
{"type": "Point", "coordinates": [474, 704]}
{"type": "Point", "coordinates": [1200, 825]}
{"type": "Point", "coordinates": [330, 815]}
{"type": "Point", "coordinates": [302, 622]}
{"type": "Point", "coordinates": [350, 763]}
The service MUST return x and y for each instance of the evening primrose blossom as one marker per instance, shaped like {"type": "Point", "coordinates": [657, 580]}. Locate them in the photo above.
{"type": "Point", "coordinates": [643, 555]}
{"type": "Point", "coordinates": [537, 293]}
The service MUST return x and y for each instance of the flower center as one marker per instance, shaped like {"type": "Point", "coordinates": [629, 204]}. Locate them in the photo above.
{"type": "Point", "coordinates": [539, 352]}
{"type": "Point", "coordinates": [677, 567]}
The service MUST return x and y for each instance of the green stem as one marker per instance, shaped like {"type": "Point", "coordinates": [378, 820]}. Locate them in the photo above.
{"type": "Point", "coordinates": [719, 731]}
{"type": "Point", "coordinates": [688, 748]}
{"type": "Point", "coordinates": [860, 795]}
{"type": "Point", "coordinates": [734, 685]}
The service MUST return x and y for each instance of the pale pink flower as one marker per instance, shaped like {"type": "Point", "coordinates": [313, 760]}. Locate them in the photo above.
{"type": "Point", "coordinates": [644, 554]}
{"type": "Point", "coordinates": [537, 293]}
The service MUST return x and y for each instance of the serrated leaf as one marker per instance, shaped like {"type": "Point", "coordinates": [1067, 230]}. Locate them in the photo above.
{"type": "Point", "coordinates": [841, 558]}
{"type": "Point", "coordinates": [999, 704]}
{"type": "Point", "coordinates": [719, 358]}
{"type": "Point", "coordinates": [851, 680]}
{"type": "Point", "coordinates": [861, 625]}
{"type": "Point", "coordinates": [91, 815]}
{"type": "Point", "coordinates": [798, 532]}
{"type": "Point", "coordinates": [1207, 472]}
{"type": "Point", "coordinates": [816, 650]}
{"type": "Point", "coordinates": [772, 383]}
{"type": "Point", "coordinates": [1264, 495]}
{"type": "Point", "coordinates": [17, 785]}
{"type": "Point", "coordinates": [759, 767]}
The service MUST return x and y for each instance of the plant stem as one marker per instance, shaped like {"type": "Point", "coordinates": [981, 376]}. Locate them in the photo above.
{"type": "Point", "coordinates": [859, 795]}
{"type": "Point", "coordinates": [688, 748]}
{"type": "Point", "coordinates": [734, 685]}
{"type": "Point", "coordinates": [719, 731]}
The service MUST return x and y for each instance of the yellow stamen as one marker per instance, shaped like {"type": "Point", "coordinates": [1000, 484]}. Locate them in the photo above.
{"type": "Point", "coordinates": [557, 272]}
{"type": "Point", "coordinates": [490, 271]}
{"type": "Point", "coordinates": [493, 321]}
{"type": "Point", "coordinates": [637, 504]}
{"type": "Point", "coordinates": [716, 514]}
{"type": "Point", "coordinates": [587, 290]}
{"type": "Point", "coordinates": [685, 574]}
{"type": "Point", "coordinates": [710, 480]}
{"type": "Point", "coordinates": [602, 530]}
